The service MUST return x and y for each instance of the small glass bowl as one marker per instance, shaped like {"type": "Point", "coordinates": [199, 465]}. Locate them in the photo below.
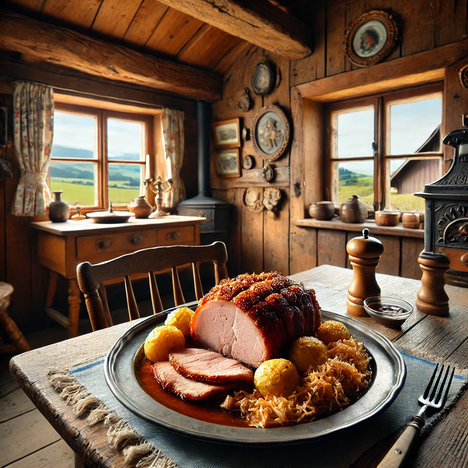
{"type": "Point", "coordinates": [388, 311]}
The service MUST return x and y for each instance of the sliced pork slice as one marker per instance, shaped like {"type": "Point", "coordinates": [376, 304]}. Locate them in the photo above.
{"type": "Point", "coordinates": [207, 366]}
{"type": "Point", "coordinates": [253, 318]}
{"type": "Point", "coordinates": [187, 389]}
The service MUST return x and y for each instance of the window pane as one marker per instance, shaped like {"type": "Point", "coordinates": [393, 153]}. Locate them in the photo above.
{"type": "Point", "coordinates": [355, 178]}
{"type": "Point", "coordinates": [354, 134]}
{"type": "Point", "coordinates": [74, 136]}
{"type": "Point", "coordinates": [124, 140]}
{"type": "Point", "coordinates": [412, 124]}
{"type": "Point", "coordinates": [409, 176]}
{"type": "Point", "coordinates": [76, 179]}
{"type": "Point", "coordinates": [125, 182]}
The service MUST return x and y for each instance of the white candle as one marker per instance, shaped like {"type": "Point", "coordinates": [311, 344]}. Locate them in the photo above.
{"type": "Point", "coordinates": [147, 167]}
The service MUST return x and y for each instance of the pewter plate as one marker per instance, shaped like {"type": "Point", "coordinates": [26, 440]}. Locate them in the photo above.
{"type": "Point", "coordinates": [389, 374]}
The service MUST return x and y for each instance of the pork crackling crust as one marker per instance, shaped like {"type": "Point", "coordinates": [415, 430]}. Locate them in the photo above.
{"type": "Point", "coordinates": [255, 317]}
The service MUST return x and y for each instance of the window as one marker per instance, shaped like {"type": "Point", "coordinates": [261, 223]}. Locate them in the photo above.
{"type": "Point", "coordinates": [385, 148]}
{"type": "Point", "coordinates": [99, 156]}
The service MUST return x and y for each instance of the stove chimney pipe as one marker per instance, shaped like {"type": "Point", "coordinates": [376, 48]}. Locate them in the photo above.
{"type": "Point", "coordinates": [203, 133]}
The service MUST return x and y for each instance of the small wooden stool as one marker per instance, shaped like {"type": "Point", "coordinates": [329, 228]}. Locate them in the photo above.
{"type": "Point", "coordinates": [19, 341]}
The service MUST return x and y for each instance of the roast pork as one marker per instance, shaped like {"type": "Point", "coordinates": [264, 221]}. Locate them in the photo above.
{"type": "Point", "coordinates": [187, 389]}
{"type": "Point", "coordinates": [255, 317]}
{"type": "Point", "coordinates": [207, 366]}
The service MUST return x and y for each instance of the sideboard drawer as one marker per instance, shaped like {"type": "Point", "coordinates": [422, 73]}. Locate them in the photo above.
{"type": "Point", "coordinates": [90, 247]}
{"type": "Point", "coordinates": [176, 235]}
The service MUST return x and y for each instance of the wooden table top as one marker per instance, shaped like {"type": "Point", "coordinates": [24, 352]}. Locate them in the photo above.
{"type": "Point", "coordinates": [87, 226]}
{"type": "Point", "coordinates": [436, 338]}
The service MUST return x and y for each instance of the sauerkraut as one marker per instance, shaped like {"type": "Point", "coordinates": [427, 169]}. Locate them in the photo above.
{"type": "Point", "coordinates": [331, 386]}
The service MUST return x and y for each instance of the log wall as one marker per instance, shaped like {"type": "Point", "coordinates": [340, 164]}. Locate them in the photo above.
{"type": "Point", "coordinates": [432, 46]}
{"type": "Point", "coordinates": [19, 265]}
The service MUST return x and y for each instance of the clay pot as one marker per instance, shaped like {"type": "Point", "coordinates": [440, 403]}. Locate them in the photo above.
{"type": "Point", "coordinates": [140, 207]}
{"type": "Point", "coordinates": [353, 210]}
{"type": "Point", "coordinates": [387, 218]}
{"type": "Point", "coordinates": [59, 211]}
{"type": "Point", "coordinates": [323, 210]}
{"type": "Point", "coordinates": [410, 220]}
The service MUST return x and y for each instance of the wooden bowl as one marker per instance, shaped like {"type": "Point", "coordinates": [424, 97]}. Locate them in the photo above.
{"type": "Point", "coordinates": [410, 220]}
{"type": "Point", "coordinates": [387, 218]}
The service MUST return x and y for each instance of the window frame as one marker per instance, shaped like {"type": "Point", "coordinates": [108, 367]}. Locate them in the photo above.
{"type": "Point", "coordinates": [381, 157]}
{"type": "Point", "coordinates": [100, 160]}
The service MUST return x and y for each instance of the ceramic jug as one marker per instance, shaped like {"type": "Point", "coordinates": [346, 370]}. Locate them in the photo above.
{"type": "Point", "coordinates": [59, 211]}
{"type": "Point", "coordinates": [353, 210]}
{"type": "Point", "coordinates": [140, 207]}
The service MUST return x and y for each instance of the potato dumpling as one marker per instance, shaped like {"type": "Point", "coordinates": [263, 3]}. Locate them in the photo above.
{"type": "Point", "coordinates": [307, 352]}
{"type": "Point", "coordinates": [278, 377]}
{"type": "Point", "coordinates": [332, 330]}
{"type": "Point", "coordinates": [161, 341]}
{"type": "Point", "coordinates": [181, 318]}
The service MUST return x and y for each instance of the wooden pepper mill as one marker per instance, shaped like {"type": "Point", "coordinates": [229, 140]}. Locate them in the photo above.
{"type": "Point", "coordinates": [364, 254]}
{"type": "Point", "coordinates": [432, 298]}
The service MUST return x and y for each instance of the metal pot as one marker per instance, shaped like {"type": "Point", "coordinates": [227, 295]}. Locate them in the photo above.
{"type": "Point", "coordinates": [323, 210]}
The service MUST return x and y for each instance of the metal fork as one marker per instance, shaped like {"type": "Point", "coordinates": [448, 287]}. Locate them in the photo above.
{"type": "Point", "coordinates": [433, 397]}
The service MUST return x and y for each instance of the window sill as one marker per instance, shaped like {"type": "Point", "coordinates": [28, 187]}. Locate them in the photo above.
{"type": "Point", "coordinates": [337, 224]}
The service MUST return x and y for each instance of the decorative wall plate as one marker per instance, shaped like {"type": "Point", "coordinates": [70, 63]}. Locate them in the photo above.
{"type": "Point", "coordinates": [370, 38]}
{"type": "Point", "coordinates": [263, 78]}
{"type": "Point", "coordinates": [249, 162]}
{"type": "Point", "coordinates": [270, 132]}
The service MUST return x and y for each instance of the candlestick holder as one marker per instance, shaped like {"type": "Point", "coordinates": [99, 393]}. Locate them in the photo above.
{"type": "Point", "coordinates": [158, 187]}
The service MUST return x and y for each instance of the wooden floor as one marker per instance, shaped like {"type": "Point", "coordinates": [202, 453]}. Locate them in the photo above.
{"type": "Point", "coordinates": [27, 440]}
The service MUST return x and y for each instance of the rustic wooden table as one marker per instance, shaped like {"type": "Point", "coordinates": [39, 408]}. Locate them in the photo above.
{"type": "Point", "coordinates": [62, 246]}
{"type": "Point", "coordinates": [438, 338]}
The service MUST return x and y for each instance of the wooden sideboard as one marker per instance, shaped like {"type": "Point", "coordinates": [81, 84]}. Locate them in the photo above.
{"type": "Point", "coordinates": [62, 246]}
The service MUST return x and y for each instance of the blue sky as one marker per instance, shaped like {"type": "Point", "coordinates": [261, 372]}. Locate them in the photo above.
{"type": "Point", "coordinates": [78, 131]}
{"type": "Point", "coordinates": [411, 125]}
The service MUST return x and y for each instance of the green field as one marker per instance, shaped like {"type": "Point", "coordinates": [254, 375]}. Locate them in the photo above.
{"type": "Point", "coordinates": [84, 194]}
{"type": "Point", "coordinates": [364, 189]}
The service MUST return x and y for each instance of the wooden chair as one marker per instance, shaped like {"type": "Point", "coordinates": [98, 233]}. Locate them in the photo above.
{"type": "Point", "coordinates": [146, 262]}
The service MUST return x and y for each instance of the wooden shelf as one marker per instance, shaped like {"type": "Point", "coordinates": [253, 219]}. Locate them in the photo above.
{"type": "Point", "coordinates": [337, 224]}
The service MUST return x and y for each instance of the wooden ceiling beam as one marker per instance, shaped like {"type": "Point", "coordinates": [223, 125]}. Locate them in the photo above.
{"type": "Point", "coordinates": [256, 21]}
{"type": "Point", "coordinates": [98, 58]}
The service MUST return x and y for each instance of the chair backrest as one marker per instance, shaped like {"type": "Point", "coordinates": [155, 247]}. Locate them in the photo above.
{"type": "Point", "coordinates": [146, 261]}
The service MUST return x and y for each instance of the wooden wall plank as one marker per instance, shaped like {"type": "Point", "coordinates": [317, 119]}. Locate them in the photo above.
{"type": "Point", "coordinates": [252, 241]}
{"type": "Point", "coordinates": [331, 247]}
{"type": "Point", "coordinates": [276, 237]}
{"type": "Point", "coordinates": [410, 250]}
{"type": "Point", "coordinates": [312, 67]}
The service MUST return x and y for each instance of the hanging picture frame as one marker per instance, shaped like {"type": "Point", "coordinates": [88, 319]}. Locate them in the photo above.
{"type": "Point", "coordinates": [227, 133]}
{"type": "Point", "coordinates": [228, 163]}
{"type": "Point", "coordinates": [270, 132]}
{"type": "Point", "coordinates": [370, 38]}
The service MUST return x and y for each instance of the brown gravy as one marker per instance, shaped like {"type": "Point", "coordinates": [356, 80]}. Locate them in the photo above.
{"type": "Point", "coordinates": [204, 411]}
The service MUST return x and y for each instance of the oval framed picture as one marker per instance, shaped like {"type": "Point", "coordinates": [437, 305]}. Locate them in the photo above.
{"type": "Point", "coordinates": [370, 38]}
{"type": "Point", "coordinates": [270, 132]}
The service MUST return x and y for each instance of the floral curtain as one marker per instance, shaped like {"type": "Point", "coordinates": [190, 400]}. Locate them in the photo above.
{"type": "Point", "coordinates": [33, 131]}
{"type": "Point", "coordinates": [173, 139]}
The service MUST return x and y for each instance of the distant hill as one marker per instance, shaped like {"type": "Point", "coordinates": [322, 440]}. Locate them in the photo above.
{"type": "Point", "coordinates": [345, 174]}
{"type": "Point", "coordinates": [67, 170]}
{"type": "Point", "coordinates": [59, 151]}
